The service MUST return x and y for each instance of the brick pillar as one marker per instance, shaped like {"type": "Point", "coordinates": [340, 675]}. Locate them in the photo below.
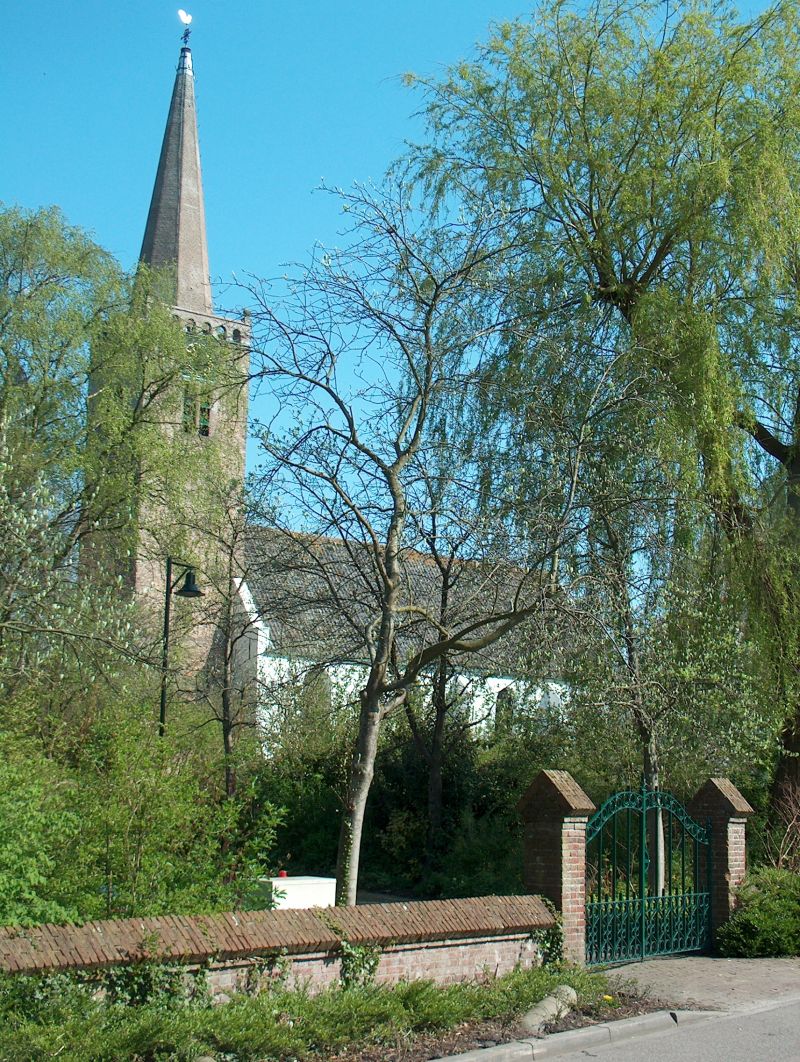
{"type": "Point", "coordinates": [720, 801]}
{"type": "Point", "coordinates": [554, 811]}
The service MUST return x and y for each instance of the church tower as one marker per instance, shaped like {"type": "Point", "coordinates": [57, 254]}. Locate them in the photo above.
{"type": "Point", "coordinates": [207, 424]}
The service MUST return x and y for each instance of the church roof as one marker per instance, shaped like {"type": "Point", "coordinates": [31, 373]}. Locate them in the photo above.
{"type": "Point", "coordinates": [175, 235]}
{"type": "Point", "coordinates": [319, 596]}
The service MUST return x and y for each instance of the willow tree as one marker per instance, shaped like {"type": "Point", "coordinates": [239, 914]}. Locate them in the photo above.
{"type": "Point", "coordinates": [647, 157]}
{"type": "Point", "coordinates": [91, 367]}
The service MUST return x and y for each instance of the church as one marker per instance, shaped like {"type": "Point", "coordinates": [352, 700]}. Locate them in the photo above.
{"type": "Point", "coordinates": [268, 622]}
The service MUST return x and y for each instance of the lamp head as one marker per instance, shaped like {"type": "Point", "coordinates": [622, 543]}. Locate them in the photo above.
{"type": "Point", "coordinates": [190, 587]}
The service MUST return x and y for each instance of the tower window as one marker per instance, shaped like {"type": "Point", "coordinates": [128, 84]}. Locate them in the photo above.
{"type": "Point", "coordinates": [196, 414]}
{"type": "Point", "coordinates": [203, 418]}
{"type": "Point", "coordinates": [189, 402]}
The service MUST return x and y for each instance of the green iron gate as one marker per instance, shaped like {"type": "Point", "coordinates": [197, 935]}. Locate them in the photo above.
{"type": "Point", "coordinates": [648, 878]}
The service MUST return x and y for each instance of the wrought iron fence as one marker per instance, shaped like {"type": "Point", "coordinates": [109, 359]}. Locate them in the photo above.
{"type": "Point", "coordinates": [648, 878]}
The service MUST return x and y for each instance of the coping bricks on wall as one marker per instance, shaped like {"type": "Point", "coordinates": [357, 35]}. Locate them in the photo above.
{"type": "Point", "coordinates": [241, 934]}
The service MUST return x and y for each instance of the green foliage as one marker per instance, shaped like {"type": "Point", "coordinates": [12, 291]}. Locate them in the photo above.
{"type": "Point", "coordinates": [150, 826]}
{"type": "Point", "coordinates": [125, 824]}
{"type": "Point", "coordinates": [151, 984]}
{"type": "Point", "coordinates": [551, 941]}
{"type": "Point", "coordinates": [39, 831]}
{"type": "Point", "coordinates": [100, 817]}
{"type": "Point", "coordinates": [273, 1025]}
{"type": "Point", "coordinates": [767, 918]}
{"type": "Point", "coordinates": [699, 687]}
{"type": "Point", "coordinates": [57, 289]}
{"type": "Point", "coordinates": [51, 629]}
{"type": "Point", "coordinates": [37, 998]}
{"type": "Point", "coordinates": [645, 163]}
{"type": "Point", "coordinates": [91, 368]}
{"type": "Point", "coordinates": [309, 788]}
{"type": "Point", "coordinates": [480, 851]}
{"type": "Point", "coordinates": [359, 963]}
{"type": "Point", "coordinates": [45, 998]}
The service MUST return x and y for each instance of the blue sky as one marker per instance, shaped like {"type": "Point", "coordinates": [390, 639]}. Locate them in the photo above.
{"type": "Point", "coordinates": [288, 94]}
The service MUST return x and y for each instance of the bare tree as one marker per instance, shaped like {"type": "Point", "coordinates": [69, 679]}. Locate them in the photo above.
{"type": "Point", "coordinates": [377, 357]}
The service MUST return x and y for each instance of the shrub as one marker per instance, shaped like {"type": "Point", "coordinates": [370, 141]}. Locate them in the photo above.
{"type": "Point", "coordinates": [60, 1016]}
{"type": "Point", "coordinates": [767, 919]}
{"type": "Point", "coordinates": [46, 997]}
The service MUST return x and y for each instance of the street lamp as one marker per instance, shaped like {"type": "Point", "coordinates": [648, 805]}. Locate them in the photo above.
{"type": "Point", "coordinates": [189, 589]}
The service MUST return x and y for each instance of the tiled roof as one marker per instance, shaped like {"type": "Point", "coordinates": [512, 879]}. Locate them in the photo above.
{"type": "Point", "coordinates": [176, 938]}
{"type": "Point", "coordinates": [320, 596]}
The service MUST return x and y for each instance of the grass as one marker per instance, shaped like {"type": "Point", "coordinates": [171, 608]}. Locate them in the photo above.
{"type": "Point", "coordinates": [275, 1025]}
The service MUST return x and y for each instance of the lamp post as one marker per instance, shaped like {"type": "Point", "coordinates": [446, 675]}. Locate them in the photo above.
{"type": "Point", "coordinates": [189, 589]}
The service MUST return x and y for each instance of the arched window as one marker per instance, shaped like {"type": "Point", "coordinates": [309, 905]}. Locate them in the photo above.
{"type": "Point", "coordinates": [237, 336]}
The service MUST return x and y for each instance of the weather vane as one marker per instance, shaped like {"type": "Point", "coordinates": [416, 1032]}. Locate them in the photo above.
{"type": "Point", "coordinates": [186, 20]}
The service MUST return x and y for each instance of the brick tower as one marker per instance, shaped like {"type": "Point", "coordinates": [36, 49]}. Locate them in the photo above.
{"type": "Point", "coordinates": [213, 422]}
{"type": "Point", "coordinates": [207, 424]}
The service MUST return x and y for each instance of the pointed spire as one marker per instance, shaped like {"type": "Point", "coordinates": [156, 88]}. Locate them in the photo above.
{"type": "Point", "coordinates": [176, 224]}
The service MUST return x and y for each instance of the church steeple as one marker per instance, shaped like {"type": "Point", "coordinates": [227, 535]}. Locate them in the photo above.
{"type": "Point", "coordinates": [175, 235]}
{"type": "Point", "coordinates": [200, 413]}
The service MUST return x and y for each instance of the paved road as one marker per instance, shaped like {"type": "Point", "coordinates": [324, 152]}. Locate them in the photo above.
{"type": "Point", "coordinates": [745, 1010]}
{"type": "Point", "coordinates": [765, 1035]}
{"type": "Point", "coordinates": [713, 983]}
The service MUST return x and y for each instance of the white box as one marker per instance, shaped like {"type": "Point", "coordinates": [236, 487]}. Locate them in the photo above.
{"type": "Point", "coordinates": [303, 890]}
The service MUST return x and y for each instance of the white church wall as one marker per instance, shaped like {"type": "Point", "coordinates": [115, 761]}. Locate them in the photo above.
{"type": "Point", "coordinates": [277, 681]}
{"type": "Point", "coordinates": [251, 643]}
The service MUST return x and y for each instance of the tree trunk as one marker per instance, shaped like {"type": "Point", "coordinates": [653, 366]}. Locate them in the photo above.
{"type": "Point", "coordinates": [361, 774]}
{"type": "Point", "coordinates": [227, 742]}
{"type": "Point", "coordinates": [228, 720]}
{"type": "Point", "coordinates": [787, 640]}
{"type": "Point", "coordinates": [788, 770]}
{"type": "Point", "coordinates": [435, 761]}
{"type": "Point", "coordinates": [657, 875]}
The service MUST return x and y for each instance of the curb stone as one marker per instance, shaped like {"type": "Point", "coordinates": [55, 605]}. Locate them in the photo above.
{"type": "Point", "coordinates": [592, 1036]}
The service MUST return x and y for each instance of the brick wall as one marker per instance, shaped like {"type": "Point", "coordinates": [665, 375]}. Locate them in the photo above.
{"type": "Point", "coordinates": [721, 803]}
{"type": "Point", "coordinates": [445, 940]}
{"type": "Point", "coordinates": [555, 811]}
{"type": "Point", "coordinates": [442, 961]}
{"type": "Point", "coordinates": [573, 886]}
